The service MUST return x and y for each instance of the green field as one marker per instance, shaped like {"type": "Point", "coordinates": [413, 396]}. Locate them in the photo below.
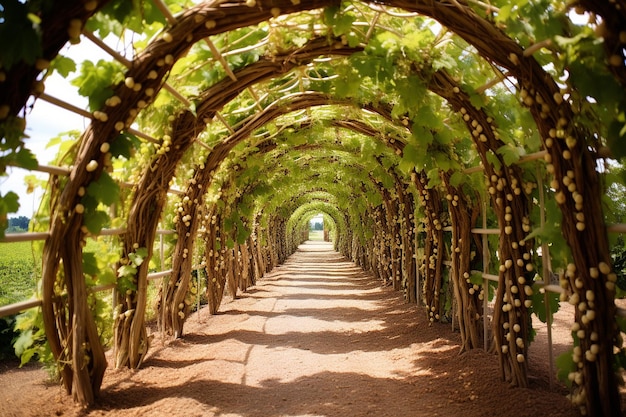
{"type": "Point", "coordinates": [316, 235]}
{"type": "Point", "coordinates": [19, 272]}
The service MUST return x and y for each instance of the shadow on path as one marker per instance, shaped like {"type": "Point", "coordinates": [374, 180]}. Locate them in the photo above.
{"type": "Point", "coordinates": [318, 337]}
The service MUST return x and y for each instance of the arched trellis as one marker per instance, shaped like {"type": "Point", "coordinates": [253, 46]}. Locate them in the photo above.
{"type": "Point", "coordinates": [405, 255]}
{"type": "Point", "coordinates": [508, 54]}
{"type": "Point", "coordinates": [363, 129]}
{"type": "Point", "coordinates": [175, 308]}
{"type": "Point", "coordinates": [308, 211]}
{"type": "Point", "coordinates": [324, 103]}
{"type": "Point", "coordinates": [275, 222]}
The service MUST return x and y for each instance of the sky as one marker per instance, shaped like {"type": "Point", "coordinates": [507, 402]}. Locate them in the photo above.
{"type": "Point", "coordinates": [319, 218]}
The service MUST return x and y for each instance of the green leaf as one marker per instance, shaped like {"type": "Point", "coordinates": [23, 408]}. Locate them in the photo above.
{"type": "Point", "coordinates": [242, 235]}
{"type": "Point", "coordinates": [539, 302]}
{"type": "Point", "coordinates": [350, 83]}
{"type": "Point", "coordinates": [138, 256]}
{"type": "Point", "coordinates": [504, 12]}
{"type": "Point", "coordinates": [124, 145]}
{"type": "Point", "coordinates": [27, 354]}
{"type": "Point", "coordinates": [96, 221]}
{"type": "Point", "coordinates": [143, 252]}
{"type": "Point", "coordinates": [493, 160]}
{"type": "Point", "coordinates": [134, 15]}
{"type": "Point", "coordinates": [340, 22]}
{"type": "Point", "coordinates": [444, 61]}
{"type": "Point", "coordinates": [412, 157]}
{"type": "Point", "coordinates": [477, 100]}
{"type": "Point", "coordinates": [9, 203]}
{"type": "Point", "coordinates": [23, 342]}
{"type": "Point", "coordinates": [96, 80]}
{"type": "Point", "coordinates": [425, 116]}
{"type": "Point", "coordinates": [126, 271]}
{"type": "Point", "coordinates": [457, 178]}
{"type": "Point", "coordinates": [25, 159]}
{"type": "Point", "coordinates": [476, 278]}
{"type": "Point", "coordinates": [565, 364]}
{"type": "Point", "coordinates": [90, 264]}
{"type": "Point", "coordinates": [510, 154]}
{"type": "Point", "coordinates": [423, 135]}
{"type": "Point", "coordinates": [442, 161]}
{"type": "Point", "coordinates": [412, 90]}
{"type": "Point", "coordinates": [63, 65]}
{"type": "Point", "coordinates": [19, 37]}
{"type": "Point", "coordinates": [104, 189]}
{"type": "Point", "coordinates": [434, 178]}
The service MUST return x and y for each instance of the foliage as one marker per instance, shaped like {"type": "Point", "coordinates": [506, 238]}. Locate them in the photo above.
{"type": "Point", "coordinates": [565, 365]}
{"type": "Point", "coordinates": [96, 81]}
{"type": "Point", "coordinates": [18, 224]}
{"type": "Point", "coordinates": [20, 34]}
{"type": "Point", "coordinates": [31, 342]}
{"type": "Point", "coordinates": [19, 273]}
{"type": "Point", "coordinates": [544, 301]}
{"type": "Point", "coordinates": [118, 15]}
{"type": "Point", "coordinates": [127, 272]}
{"type": "Point", "coordinates": [317, 226]}
{"type": "Point", "coordinates": [7, 335]}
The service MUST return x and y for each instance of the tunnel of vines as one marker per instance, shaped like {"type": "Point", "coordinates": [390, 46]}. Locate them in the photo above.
{"type": "Point", "coordinates": [454, 148]}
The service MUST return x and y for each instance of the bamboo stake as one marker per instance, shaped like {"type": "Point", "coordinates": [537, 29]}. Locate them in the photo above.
{"type": "Point", "coordinates": [178, 96]}
{"type": "Point", "coordinates": [165, 11]}
{"type": "Point", "coordinates": [224, 122]}
{"type": "Point", "coordinates": [82, 112]}
{"type": "Point", "coordinates": [545, 266]}
{"type": "Point", "coordinates": [485, 284]}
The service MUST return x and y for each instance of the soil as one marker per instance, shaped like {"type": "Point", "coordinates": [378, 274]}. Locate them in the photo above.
{"type": "Point", "coordinates": [316, 337]}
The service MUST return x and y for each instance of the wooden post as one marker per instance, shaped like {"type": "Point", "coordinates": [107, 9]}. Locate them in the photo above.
{"type": "Point", "coordinates": [485, 282]}
{"type": "Point", "coordinates": [545, 268]}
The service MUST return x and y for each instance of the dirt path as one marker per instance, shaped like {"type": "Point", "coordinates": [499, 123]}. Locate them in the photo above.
{"type": "Point", "coordinates": [316, 337]}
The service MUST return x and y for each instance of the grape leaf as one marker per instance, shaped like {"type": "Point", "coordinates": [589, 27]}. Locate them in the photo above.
{"type": "Point", "coordinates": [539, 303]}
{"type": "Point", "coordinates": [565, 364]}
{"type": "Point", "coordinates": [413, 156]}
{"type": "Point", "coordinates": [510, 154]}
{"type": "Point", "coordinates": [104, 189]}
{"type": "Point", "coordinates": [341, 23]}
{"type": "Point", "coordinates": [9, 203]}
{"type": "Point", "coordinates": [457, 178]}
{"type": "Point", "coordinates": [24, 158]}
{"type": "Point", "coordinates": [19, 37]}
{"type": "Point", "coordinates": [95, 81]}
{"type": "Point", "coordinates": [138, 256]}
{"type": "Point", "coordinates": [95, 221]}
{"type": "Point", "coordinates": [124, 145]}
{"type": "Point", "coordinates": [422, 134]}
{"type": "Point", "coordinates": [63, 65]}
{"type": "Point", "coordinates": [90, 264]}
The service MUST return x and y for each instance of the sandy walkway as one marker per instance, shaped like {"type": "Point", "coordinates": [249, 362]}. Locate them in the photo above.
{"type": "Point", "coordinates": [316, 337]}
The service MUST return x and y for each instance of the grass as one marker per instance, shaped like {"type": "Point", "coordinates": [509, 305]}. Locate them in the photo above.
{"type": "Point", "coordinates": [19, 273]}
{"type": "Point", "coordinates": [316, 235]}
